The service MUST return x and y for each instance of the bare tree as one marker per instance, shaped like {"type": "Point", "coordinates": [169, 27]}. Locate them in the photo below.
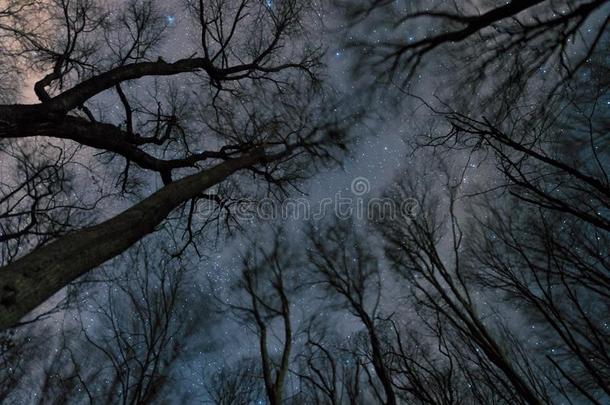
{"type": "Point", "coordinates": [120, 344]}
{"type": "Point", "coordinates": [243, 63]}
{"type": "Point", "coordinates": [447, 342]}
{"type": "Point", "coordinates": [329, 373]}
{"type": "Point", "coordinates": [263, 296]}
{"type": "Point", "coordinates": [348, 269]}
{"type": "Point", "coordinates": [415, 247]}
{"type": "Point", "coordinates": [238, 384]}
{"type": "Point", "coordinates": [539, 234]}
{"type": "Point", "coordinates": [414, 348]}
{"type": "Point", "coordinates": [545, 244]}
{"type": "Point", "coordinates": [37, 197]}
{"type": "Point", "coordinates": [513, 42]}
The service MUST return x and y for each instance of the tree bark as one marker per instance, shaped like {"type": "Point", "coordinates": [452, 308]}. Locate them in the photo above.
{"type": "Point", "coordinates": [32, 279]}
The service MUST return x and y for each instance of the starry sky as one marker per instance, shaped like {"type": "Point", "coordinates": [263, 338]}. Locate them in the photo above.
{"type": "Point", "coordinates": [380, 151]}
{"type": "Point", "coordinates": [383, 148]}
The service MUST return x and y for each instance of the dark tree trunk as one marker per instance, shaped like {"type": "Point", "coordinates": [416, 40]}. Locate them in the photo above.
{"type": "Point", "coordinates": [30, 280]}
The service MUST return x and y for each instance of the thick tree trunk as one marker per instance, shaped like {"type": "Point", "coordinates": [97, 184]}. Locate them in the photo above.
{"type": "Point", "coordinates": [32, 279]}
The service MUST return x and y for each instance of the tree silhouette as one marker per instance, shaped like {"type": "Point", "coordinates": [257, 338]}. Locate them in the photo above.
{"type": "Point", "coordinates": [241, 63]}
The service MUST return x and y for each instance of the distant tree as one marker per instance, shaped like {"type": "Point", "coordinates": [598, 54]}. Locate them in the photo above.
{"type": "Point", "coordinates": [237, 384]}
{"type": "Point", "coordinates": [535, 236]}
{"type": "Point", "coordinates": [541, 235]}
{"type": "Point", "coordinates": [120, 343]}
{"type": "Point", "coordinates": [261, 299]}
{"type": "Point", "coordinates": [428, 252]}
{"type": "Point", "coordinates": [347, 268]}
{"type": "Point", "coordinates": [327, 372]}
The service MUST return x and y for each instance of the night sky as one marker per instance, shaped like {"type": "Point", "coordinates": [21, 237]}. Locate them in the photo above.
{"type": "Point", "coordinates": [383, 150]}
{"type": "Point", "coordinates": [379, 152]}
